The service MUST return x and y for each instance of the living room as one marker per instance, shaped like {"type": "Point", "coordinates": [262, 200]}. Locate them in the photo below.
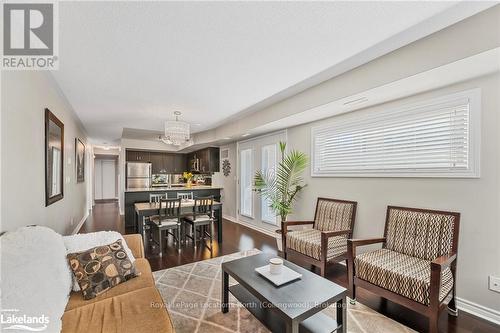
{"type": "Point", "coordinates": [251, 166]}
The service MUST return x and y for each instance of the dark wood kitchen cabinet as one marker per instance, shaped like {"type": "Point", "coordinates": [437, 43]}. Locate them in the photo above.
{"type": "Point", "coordinates": [168, 163]}
{"type": "Point", "coordinates": [163, 162]}
{"type": "Point", "coordinates": [180, 163]}
{"type": "Point", "coordinates": [137, 156]}
{"type": "Point", "coordinates": [158, 163]}
{"type": "Point", "coordinates": [208, 159]}
{"type": "Point", "coordinates": [213, 159]}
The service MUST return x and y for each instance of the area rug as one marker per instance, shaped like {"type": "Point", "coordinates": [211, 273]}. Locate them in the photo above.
{"type": "Point", "coordinates": [192, 295]}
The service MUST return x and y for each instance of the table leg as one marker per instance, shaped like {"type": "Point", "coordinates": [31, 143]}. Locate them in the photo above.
{"type": "Point", "coordinates": [159, 242]}
{"type": "Point", "coordinates": [225, 293]}
{"type": "Point", "coordinates": [136, 221]}
{"type": "Point", "coordinates": [292, 327]}
{"type": "Point", "coordinates": [342, 315]}
{"type": "Point", "coordinates": [219, 225]}
{"type": "Point", "coordinates": [138, 224]}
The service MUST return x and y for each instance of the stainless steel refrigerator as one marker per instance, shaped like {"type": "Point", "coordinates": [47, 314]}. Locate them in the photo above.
{"type": "Point", "coordinates": [138, 175]}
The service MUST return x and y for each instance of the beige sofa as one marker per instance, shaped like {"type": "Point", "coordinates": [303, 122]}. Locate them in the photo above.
{"type": "Point", "coordinates": [131, 307]}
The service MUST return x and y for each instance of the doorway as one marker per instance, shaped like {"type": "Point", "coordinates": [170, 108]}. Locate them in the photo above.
{"type": "Point", "coordinates": [261, 153]}
{"type": "Point", "coordinates": [105, 178]}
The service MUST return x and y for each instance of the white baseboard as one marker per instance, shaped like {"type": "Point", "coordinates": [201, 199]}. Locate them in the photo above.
{"type": "Point", "coordinates": [478, 310]}
{"type": "Point", "coordinates": [230, 218]}
{"type": "Point", "coordinates": [79, 225]}
{"type": "Point", "coordinates": [261, 230]}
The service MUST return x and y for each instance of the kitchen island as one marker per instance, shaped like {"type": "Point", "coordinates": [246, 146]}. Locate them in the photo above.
{"type": "Point", "coordinates": [138, 195]}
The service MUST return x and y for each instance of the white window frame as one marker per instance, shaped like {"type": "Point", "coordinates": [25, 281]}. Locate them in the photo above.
{"type": "Point", "coordinates": [252, 214]}
{"type": "Point", "coordinates": [473, 170]}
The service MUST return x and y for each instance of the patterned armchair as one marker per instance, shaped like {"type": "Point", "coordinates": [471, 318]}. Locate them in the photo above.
{"type": "Point", "coordinates": [416, 265]}
{"type": "Point", "coordinates": [326, 242]}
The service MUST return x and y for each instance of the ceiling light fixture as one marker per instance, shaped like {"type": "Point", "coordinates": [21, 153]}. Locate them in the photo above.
{"type": "Point", "coordinates": [177, 132]}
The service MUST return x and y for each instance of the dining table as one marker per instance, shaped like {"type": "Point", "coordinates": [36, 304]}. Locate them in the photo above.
{"type": "Point", "coordinates": [143, 210]}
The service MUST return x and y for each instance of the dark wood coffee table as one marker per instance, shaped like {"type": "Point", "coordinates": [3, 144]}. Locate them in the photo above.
{"type": "Point", "coordinates": [293, 307]}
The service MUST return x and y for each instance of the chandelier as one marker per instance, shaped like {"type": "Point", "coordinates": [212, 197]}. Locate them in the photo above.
{"type": "Point", "coordinates": [177, 132]}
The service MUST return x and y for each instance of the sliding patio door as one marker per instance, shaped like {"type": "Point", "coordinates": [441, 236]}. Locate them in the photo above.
{"type": "Point", "coordinates": [261, 153]}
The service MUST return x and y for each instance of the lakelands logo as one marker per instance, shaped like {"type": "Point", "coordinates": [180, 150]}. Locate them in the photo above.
{"type": "Point", "coordinates": [10, 319]}
{"type": "Point", "coordinates": [30, 36]}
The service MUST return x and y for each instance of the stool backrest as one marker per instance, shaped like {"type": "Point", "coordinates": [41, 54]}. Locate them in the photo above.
{"type": "Point", "coordinates": [156, 197]}
{"type": "Point", "coordinates": [185, 195]}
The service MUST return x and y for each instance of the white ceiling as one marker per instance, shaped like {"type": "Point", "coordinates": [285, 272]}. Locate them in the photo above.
{"type": "Point", "coordinates": [131, 64]}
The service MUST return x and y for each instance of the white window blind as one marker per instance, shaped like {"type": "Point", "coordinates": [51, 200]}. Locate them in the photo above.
{"type": "Point", "coordinates": [432, 139]}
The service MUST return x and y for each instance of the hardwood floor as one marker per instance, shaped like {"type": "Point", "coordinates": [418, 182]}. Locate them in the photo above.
{"type": "Point", "coordinates": [105, 216]}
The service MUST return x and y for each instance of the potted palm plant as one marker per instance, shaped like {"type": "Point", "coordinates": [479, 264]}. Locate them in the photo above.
{"type": "Point", "coordinates": [281, 186]}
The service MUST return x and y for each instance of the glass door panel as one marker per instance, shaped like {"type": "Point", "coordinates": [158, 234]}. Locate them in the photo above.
{"type": "Point", "coordinates": [269, 162]}
{"type": "Point", "coordinates": [246, 182]}
{"type": "Point", "coordinates": [261, 153]}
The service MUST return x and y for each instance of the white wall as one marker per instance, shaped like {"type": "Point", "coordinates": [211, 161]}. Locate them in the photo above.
{"type": "Point", "coordinates": [25, 95]}
{"type": "Point", "coordinates": [228, 194]}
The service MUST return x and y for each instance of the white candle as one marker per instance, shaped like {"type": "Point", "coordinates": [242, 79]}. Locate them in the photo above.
{"type": "Point", "coordinates": [275, 265]}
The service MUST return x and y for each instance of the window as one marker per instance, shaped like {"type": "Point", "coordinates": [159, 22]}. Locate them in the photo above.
{"type": "Point", "coordinates": [246, 177]}
{"type": "Point", "coordinates": [438, 138]}
{"type": "Point", "coordinates": [269, 161]}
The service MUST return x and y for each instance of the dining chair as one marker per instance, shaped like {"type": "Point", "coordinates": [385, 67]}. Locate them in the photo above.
{"type": "Point", "coordinates": [168, 219]}
{"type": "Point", "coordinates": [185, 195]}
{"type": "Point", "coordinates": [201, 217]}
{"type": "Point", "coordinates": [153, 198]}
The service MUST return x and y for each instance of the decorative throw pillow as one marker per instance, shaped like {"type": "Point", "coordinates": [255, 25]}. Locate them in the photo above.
{"type": "Point", "coordinates": [101, 268]}
{"type": "Point", "coordinates": [83, 242]}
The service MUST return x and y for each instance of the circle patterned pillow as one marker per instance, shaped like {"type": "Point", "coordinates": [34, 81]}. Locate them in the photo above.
{"type": "Point", "coordinates": [101, 268]}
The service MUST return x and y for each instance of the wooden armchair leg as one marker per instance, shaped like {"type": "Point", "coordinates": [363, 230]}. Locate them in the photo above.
{"type": "Point", "coordinates": [433, 322]}
{"type": "Point", "coordinates": [283, 246]}
{"type": "Point", "coordinates": [323, 269]}
{"type": "Point", "coordinates": [350, 278]}
{"type": "Point", "coordinates": [452, 306]}
{"type": "Point", "coordinates": [352, 295]}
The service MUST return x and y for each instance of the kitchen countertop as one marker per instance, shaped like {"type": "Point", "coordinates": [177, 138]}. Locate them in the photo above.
{"type": "Point", "coordinates": [173, 188]}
